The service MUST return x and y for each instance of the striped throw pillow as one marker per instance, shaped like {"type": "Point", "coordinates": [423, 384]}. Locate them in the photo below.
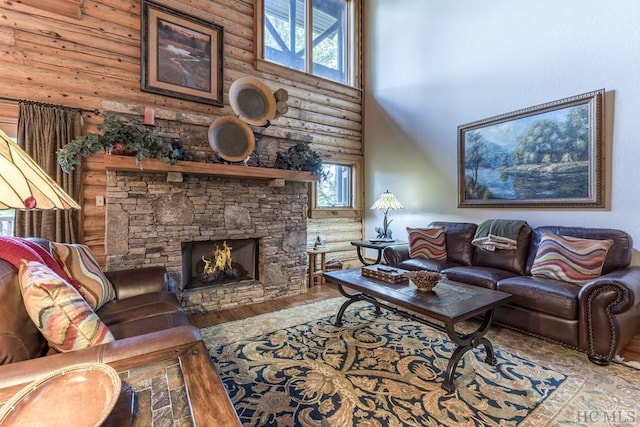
{"type": "Point", "coordinates": [570, 259]}
{"type": "Point", "coordinates": [80, 264]}
{"type": "Point", "coordinates": [427, 243]}
{"type": "Point", "coordinates": [58, 310]}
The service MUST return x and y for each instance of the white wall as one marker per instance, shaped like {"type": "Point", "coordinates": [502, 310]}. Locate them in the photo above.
{"type": "Point", "coordinates": [432, 65]}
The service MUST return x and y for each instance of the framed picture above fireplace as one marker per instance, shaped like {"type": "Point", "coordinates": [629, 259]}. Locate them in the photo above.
{"type": "Point", "coordinates": [545, 156]}
{"type": "Point", "coordinates": [181, 55]}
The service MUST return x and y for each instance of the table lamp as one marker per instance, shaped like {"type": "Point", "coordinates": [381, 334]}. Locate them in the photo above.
{"type": "Point", "coordinates": [23, 183]}
{"type": "Point", "coordinates": [386, 202]}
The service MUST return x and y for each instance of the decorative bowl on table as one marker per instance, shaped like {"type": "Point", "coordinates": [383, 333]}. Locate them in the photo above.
{"type": "Point", "coordinates": [425, 280]}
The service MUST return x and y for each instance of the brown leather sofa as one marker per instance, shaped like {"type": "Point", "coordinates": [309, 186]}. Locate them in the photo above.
{"type": "Point", "coordinates": [143, 318]}
{"type": "Point", "coordinates": [598, 318]}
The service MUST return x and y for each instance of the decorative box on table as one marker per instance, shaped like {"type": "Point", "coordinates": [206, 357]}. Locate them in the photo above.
{"type": "Point", "coordinates": [385, 273]}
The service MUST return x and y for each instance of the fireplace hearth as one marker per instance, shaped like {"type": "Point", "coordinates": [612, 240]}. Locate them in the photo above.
{"type": "Point", "coordinates": [219, 262]}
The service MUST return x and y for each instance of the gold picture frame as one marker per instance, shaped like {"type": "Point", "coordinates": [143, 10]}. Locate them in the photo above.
{"type": "Point", "coordinates": [181, 55]}
{"type": "Point", "coordinates": [546, 156]}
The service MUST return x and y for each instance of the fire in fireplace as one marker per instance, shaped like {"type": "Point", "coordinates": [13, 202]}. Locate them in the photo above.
{"type": "Point", "coordinates": [218, 262]}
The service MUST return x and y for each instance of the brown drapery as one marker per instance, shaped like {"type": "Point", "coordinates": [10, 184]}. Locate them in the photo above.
{"type": "Point", "coordinates": [42, 130]}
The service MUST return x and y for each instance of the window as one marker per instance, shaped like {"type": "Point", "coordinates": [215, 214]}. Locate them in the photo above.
{"type": "Point", "coordinates": [6, 222]}
{"type": "Point", "coordinates": [312, 36]}
{"type": "Point", "coordinates": [337, 194]}
{"type": "Point", "coordinates": [334, 190]}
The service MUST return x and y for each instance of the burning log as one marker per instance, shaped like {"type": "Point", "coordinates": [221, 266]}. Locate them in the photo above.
{"type": "Point", "coordinates": [220, 268]}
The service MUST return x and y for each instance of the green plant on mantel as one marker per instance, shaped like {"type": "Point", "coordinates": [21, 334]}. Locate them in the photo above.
{"type": "Point", "coordinates": [118, 137]}
{"type": "Point", "coordinates": [300, 157]}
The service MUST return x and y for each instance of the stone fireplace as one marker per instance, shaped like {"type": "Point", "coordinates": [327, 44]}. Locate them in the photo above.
{"type": "Point", "coordinates": [154, 218]}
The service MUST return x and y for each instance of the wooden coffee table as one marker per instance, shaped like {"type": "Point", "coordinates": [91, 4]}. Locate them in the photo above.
{"type": "Point", "coordinates": [449, 303]}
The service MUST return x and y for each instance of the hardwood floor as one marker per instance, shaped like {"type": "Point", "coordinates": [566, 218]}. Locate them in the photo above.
{"type": "Point", "coordinates": [317, 293]}
{"type": "Point", "coordinates": [631, 353]}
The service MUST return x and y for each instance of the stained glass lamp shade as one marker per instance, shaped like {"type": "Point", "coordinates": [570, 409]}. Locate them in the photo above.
{"type": "Point", "coordinates": [23, 183]}
{"type": "Point", "coordinates": [386, 202]}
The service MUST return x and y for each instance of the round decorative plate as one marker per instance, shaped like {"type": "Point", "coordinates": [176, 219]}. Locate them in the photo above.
{"type": "Point", "coordinates": [252, 101]}
{"type": "Point", "coordinates": [231, 138]}
{"type": "Point", "coordinates": [77, 395]}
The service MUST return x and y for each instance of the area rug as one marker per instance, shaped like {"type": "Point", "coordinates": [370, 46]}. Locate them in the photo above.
{"type": "Point", "coordinates": [295, 368]}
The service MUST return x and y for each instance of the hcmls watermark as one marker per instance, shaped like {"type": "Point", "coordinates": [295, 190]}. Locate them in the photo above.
{"type": "Point", "coordinates": [607, 417]}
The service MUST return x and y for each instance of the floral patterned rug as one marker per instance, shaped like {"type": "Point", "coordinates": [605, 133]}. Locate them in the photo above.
{"type": "Point", "coordinates": [295, 368]}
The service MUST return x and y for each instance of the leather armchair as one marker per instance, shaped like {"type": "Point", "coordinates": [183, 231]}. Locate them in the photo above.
{"type": "Point", "coordinates": [144, 317]}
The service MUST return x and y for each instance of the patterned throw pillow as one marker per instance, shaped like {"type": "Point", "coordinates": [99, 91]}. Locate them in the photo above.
{"type": "Point", "coordinates": [427, 243]}
{"type": "Point", "coordinates": [79, 263]}
{"type": "Point", "coordinates": [58, 310]}
{"type": "Point", "coordinates": [570, 259]}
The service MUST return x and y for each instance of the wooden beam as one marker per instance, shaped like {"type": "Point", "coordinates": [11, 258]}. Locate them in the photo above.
{"type": "Point", "coordinates": [70, 8]}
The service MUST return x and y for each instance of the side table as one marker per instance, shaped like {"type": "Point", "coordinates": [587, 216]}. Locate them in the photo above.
{"type": "Point", "coordinates": [317, 265]}
{"type": "Point", "coordinates": [377, 245]}
{"type": "Point", "coordinates": [174, 386]}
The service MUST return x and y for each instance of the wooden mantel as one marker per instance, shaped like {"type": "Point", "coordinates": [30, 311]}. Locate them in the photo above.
{"type": "Point", "coordinates": [277, 177]}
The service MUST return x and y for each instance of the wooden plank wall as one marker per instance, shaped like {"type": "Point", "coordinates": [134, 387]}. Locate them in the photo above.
{"type": "Point", "coordinates": [84, 62]}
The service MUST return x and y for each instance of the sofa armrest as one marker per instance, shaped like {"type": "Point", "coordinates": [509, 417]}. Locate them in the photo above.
{"type": "Point", "coordinates": [610, 310]}
{"type": "Point", "coordinates": [33, 369]}
{"type": "Point", "coordinates": [395, 254]}
{"type": "Point", "coordinates": [138, 281]}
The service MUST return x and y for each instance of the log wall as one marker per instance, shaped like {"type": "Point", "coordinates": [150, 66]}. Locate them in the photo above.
{"type": "Point", "coordinates": [95, 61]}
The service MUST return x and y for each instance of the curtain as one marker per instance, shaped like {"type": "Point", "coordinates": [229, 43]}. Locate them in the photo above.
{"type": "Point", "coordinates": [42, 130]}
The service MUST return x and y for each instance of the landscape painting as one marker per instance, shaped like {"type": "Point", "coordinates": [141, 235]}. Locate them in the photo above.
{"type": "Point", "coordinates": [544, 156]}
{"type": "Point", "coordinates": [182, 55]}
